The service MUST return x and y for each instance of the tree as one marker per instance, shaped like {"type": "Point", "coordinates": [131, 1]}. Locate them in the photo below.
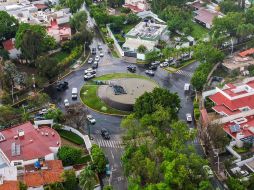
{"type": "Point", "coordinates": [74, 5]}
{"type": "Point", "coordinates": [151, 56]}
{"type": "Point", "coordinates": [54, 186]}
{"type": "Point", "coordinates": [38, 100]}
{"type": "Point", "coordinates": [78, 19]}
{"type": "Point", "coordinates": [87, 179]}
{"type": "Point", "coordinates": [159, 5]}
{"type": "Point", "coordinates": [205, 185]}
{"type": "Point", "coordinates": [141, 49]}
{"type": "Point", "coordinates": [116, 23]}
{"type": "Point", "coordinates": [48, 67]}
{"type": "Point", "coordinates": [70, 181]}
{"type": "Point", "coordinates": [99, 159]}
{"type": "Point", "coordinates": [108, 187]}
{"type": "Point", "coordinates": [82, 37]}
{"type": "Point", "coordinates": [249, 15]}
{"type": "Point", "coordinates": [4, 54]}
{"type": "Point", "coordinates": [22, 186]}
{"type": "Point", "coordinates": [235, 184]}
{"type": "Point", "coordinates": [218, 136]}
{"type": "Point", "coordinates": [69, 155]}
{"type": "Point", "coordinates": [228, 6]}
{"type": "Point", "coordinates": [55, 114]}
{"type": "Point", "coordinates": [8, 26]}
{"type": "Point", "coordinates": [33, 40]}
{"type": "Point", "coordinates": [132, 18]}
{"type": "Point", "coordinates": [149, 102]}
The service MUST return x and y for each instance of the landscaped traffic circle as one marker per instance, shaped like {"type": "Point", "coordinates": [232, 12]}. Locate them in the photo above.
{"type": "Point", "coordinates": [115, 93]}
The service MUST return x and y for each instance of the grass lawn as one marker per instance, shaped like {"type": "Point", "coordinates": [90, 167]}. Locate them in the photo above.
{"type": "Point", "coordinates": [198, 31]}
{"type": "Point", "coordinates": [88, 93]}
{"type": "Point", "coordinates": [70, 136]}
{"type": "Point", "coordinates": [59, 56]}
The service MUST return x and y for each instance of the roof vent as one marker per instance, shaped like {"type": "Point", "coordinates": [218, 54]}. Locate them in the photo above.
{"type": "Point", "coordinates": [21, 132]}
{"type": "Point", "coordinates": [16, 137]}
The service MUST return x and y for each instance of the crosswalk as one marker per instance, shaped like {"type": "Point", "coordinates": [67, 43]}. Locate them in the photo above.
{"type": "Point", "coordinates": [185, 73]}
{"type": "Point", "coordinates": [109, 143]}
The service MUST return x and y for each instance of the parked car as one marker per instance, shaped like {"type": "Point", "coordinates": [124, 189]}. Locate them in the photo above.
{"type": "Point", "coordinates": [62, 86]}
{"type": "Point", "coordinates": [88, 76]}
{"type": "Point", "coordinates": [43, 111]}
{"type": "Point", "coordinates": [90, 60]}
{"type": "Point", "coordinates": [149, 72]}
{"type": "Point", "coordinates": [95, 65]}
{"type": "Point", "coordinates": [108, 172]}
{"type": "Point", "coordinates": [93, 51]}
{"type": "Point", "coordinates": [131, 68]}
{"type": "Point", "coordinates": [208, 171]}
{"type": "Point", "coordinates": [90, 70]}
{"type": "Point", "coordinates": [97, 58]}
{"type": "Point", "coordinates": [188, 117]}
{"type": "Point", "coordinates": [105, 134]}
{"type": "Point", "coordinates": [91, 119]}
{"type": "Point", "coordinates": [152, 67]}
{"type": "Point", "coordinates": [66, 103]}
{"type": "Point", "coordinates": [156, 63]}
{"type": "Point", "coordinates": [101, 54]}
{"type": "Point", "coordinates": [164, 64]}
{"type": "Point", "coordinates": [99, 46]}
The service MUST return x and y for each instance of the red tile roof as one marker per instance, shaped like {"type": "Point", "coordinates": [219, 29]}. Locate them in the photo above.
{"type": "Point", "coordinates": [224, 109]}
{"type": "Point", "coordinates": [206, 16]}
{"type": "Point", "coordinates": [247, 52]}
{"type": "Point", "coordinates": [34, 144]}
{"type": "Point", "coordinates": [8, 45]}
{"type": "Point", "coordinates": [10, 185]}
{"type": "Point", "coordinates": [133, 8]}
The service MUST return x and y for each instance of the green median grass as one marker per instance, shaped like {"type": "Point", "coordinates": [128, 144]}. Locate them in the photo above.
{"type": "Point", "coordinates": [70, 136]}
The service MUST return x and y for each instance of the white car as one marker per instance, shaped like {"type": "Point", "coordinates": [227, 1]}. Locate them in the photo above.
{"type": "Point", "coordinates": [66, 103]}
{"type": "Point", "coordinates": [90, 60]}
{"type": "Point", "coordinates": [90, 70]}
{"type": "Point", "coordinates": [97, 58]}
{"type": "Point", "coordinates": [88, 76]}
{"type": "Point", "coordinates": [43, 111]}
{"type": "Point", "coordinates": [91, 119]}
{"type": "Point", "coordinates": [101, 54]}
{"type": "Point", "coordinates": [164, 64]}
{"type": "Point", "coordinates": [188, 117]}
{"type": "Point", "coordinates": [149, 72]}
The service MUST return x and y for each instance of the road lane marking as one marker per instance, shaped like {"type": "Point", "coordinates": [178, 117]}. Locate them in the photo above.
{"type": "Point", "coordinates": [112, 154]}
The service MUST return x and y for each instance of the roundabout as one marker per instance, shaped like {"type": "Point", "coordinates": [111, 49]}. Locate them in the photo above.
{"type": "Point", "coordinates": [116, 93]}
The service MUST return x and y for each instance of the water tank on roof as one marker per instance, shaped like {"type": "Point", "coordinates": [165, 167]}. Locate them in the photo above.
{"type": "Point", "coordinates": [37, 165]}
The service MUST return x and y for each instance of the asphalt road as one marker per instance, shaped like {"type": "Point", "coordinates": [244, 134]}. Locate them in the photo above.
{"type": "Point", "coordinates": [112, 148]}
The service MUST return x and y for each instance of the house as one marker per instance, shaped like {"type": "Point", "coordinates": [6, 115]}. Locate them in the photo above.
{"type": "Point", "coordinates": [136, 6]}
{"type": "Point", "coordinates": [9, 45]}
{"type": "Point", "coordinates": [233, 98]}
{"type": "Point", "coordinates": [25, 144]}
{"type": "Point", "coordinates": [60, 32]}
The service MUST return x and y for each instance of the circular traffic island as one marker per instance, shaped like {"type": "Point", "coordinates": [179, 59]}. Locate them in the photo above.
{"type": "Point", "coordinates": [115, 93]}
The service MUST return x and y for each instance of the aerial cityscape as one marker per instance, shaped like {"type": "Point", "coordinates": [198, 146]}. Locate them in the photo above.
{"type": "Point", "coordinates": [126, 94]}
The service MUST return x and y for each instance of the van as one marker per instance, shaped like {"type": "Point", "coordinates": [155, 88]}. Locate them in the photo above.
{"type": "Point", "coordinates": [186, 87]}
{"type": "Point", "coordinates": [74, 93]}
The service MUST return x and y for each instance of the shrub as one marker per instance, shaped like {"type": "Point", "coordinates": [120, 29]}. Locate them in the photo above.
{"type": "Point", "coordinates": [196, 113]}
{"type": "Point", "coordinates": [75, 53]}
{"type": "Point", "coordinates": [69, 155]}
{"type": "Point", "coordinates": [195, 104]}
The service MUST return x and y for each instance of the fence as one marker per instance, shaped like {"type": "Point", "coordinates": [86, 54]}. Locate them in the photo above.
{"type": "Point", "coordinates": [117, 46]}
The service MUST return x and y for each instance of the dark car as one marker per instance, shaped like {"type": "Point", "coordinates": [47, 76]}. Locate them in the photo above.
{"type": "Point", "coordinates": [62, 86]}
{"type": "Point", "coordinates": [105, 134]}
{"type": "Point", "coordinates": [149, 72]}
{"type": "Point", "coordinates": [93, 51]}
{"type": "Point", "coordinates": [153, 67]}
{"type": "Point", "coordinates": [131, 68]}
{"type": "Point", "coordinates": [95, 65]}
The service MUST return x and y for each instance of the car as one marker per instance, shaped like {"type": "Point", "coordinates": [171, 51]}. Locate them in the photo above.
{"type": "Point", "coordinates": [188, 117]}
{"type": "Point", "coordinates": [149, 72]}
{"type": "Point", "coordinates": [156, 63]}
{"type": "Point", "coordinates": [131, 68]}
{"type": "Point", "coordinates": [101, 54]}
{"type": "Point", "coordinates": [164, 64]}
{"type": "Point", "coordinates": [186, 86]}
{"type": "Point", "coordinates": [88, 76]}
{"type": "Point", "coordinates": [93, 51]}
{"type": "Point", "coordinates": [97, 58]}
{"type": "Point", "coordinates": [105, 134]}
{"type": "Point", "coordinates": [90, 70]}
{"type": "Point", "coordinates": [153, 67]}
{"type": "Point", "coordinates": [90, 60]}
{"type": "Point", "coordinates": [62, 86]}
{"type": "Point", "coordinates": [108, 172]}
{"type": "Point", "coordinates": [95, 65]}
{"type": "Point", "coordinates": [66, 103]}
{"type": "Point", "coordinates": [208, 171]}
{"type": "Point", "coordinates": [43, 111]}
{"type": "Point", "coordinates": [99, 46]}
{"type": "Point", "coordinates": [91, 119]}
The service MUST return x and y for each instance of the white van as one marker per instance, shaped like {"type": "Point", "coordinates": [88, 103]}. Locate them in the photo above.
{"type": "Point", "coordinates": [74, 93]}
{"type": "Point", "coordinates": [186, 87]}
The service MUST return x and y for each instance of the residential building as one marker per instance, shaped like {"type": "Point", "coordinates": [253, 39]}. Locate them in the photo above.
{"type": "Point", "coordinates": [9, 45]}
{"type": "Point", "coordinates": [25, 144]}
{"type": "Point", "coordinates": [233, 98]}
{"type": "Point", "coordinates": [136, 6]}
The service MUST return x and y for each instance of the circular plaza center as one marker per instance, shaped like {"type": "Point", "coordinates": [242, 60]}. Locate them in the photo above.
{"type": "Point", "coordinates": [122, 93]}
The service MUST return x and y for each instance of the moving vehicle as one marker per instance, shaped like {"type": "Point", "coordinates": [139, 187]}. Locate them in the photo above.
{"type": "Point", "coordinates": [164, 64]}
{"type": "Point", "coordinates": [95, 65]}
{"type": "Point", "coordinates": [62, 86]}
{"type": "Point", "coordinates": [208, 171]}
{"type": "Point", "coordinates": [90, 70]}
{"type": "Point", "coordinates": [88, 76]}
{"type": "Point", "coordinates": [149, 72]}
{"type": "Point", "coordinates": [93, 51]}
{"type": "Point", "coordinates": [66, 103]}
{"type": "Point", "coordinates": [186, 87]}
{"type": "Point", "coordinates": [97, 58]}
{"type": "Point", "coordinates": [188, 117]}
{"type": "Point", "coordinates": [74, 93]}
{"type": "Point", "coordinates": [108, 172]}
{"type": "Point", "coordinates": [99, 46]}
{"type": "Point", "coordinates": [91, 119]}
{"type": "Point", "coordinates": [105, 134]}
{"type": "Point", "coordinates": [101, 54]}
{"type": "Point", "coordinates": [90, 60]}
{"type": "Point", "coordinates": [131, 68]}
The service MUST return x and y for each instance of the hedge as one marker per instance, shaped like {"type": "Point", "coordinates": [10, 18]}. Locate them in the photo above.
{"type": "Point", "coordinates": [70, 136]}
{"type": "Point", "coordinates": [75, 53]}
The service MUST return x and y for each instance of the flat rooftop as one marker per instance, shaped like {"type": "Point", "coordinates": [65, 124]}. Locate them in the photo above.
{"type": "Point", "coordinates": [237, 61]}
{"type": "Point", "coordinates": [147, 30]}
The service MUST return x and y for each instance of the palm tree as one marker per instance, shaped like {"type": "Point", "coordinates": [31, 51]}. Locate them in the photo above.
{"type": "Point", "coordinates": [87, 179]}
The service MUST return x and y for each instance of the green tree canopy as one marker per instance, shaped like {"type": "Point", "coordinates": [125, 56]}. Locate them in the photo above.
{"type": "Point", "coordinates": [69, 155]}
{"type": "Point", "coordinates": [47, 67]}
{"type": "Point", "coordinates": [55, 114]}
{"type": "Point", "coordinates": [87, 179]}
{"type": "Point", "coordinates": [70, 180]}
{"type": "Point", "coordinates": [78, 19]}
{"type": "Point", "coordinates": [142, 49]}
{"type": "Point", "coordinates": [99, 159]}
{"type": "Point", "coordinates": [8, 26]}
{"type": "Point", "coordinates": [74, 5]}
